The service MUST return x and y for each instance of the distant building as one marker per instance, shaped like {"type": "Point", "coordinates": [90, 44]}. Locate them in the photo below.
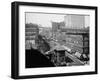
{"type": "Point", "coordinates": [57, 26]}
{"type": "Point", "coordinates": [31, 31]}
{"type": "Point", "coordinates": [76, 21]}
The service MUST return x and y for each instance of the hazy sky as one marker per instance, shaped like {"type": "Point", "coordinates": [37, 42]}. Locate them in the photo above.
{"type": "Point", "coordinates": [46, 19]}
{"type": "Point", "coordinates": [43, 19]}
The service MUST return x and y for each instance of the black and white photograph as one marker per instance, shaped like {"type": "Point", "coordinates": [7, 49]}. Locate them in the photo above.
{"type": "Point", "coordinates": [50, 40]}
{"type": "Point", "coordinates": [55, 40]}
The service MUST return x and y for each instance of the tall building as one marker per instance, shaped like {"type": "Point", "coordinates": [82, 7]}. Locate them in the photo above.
{"type": "Point", "coordinates": [57, 26]}
{"type": "Point", "coordinates": [76, 21]}
{"type": "Point", "coordinates": [31, 31]}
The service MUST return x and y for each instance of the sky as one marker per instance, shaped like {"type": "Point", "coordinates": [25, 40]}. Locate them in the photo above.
{"type": "Point", "coordinates": [43, 19]}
